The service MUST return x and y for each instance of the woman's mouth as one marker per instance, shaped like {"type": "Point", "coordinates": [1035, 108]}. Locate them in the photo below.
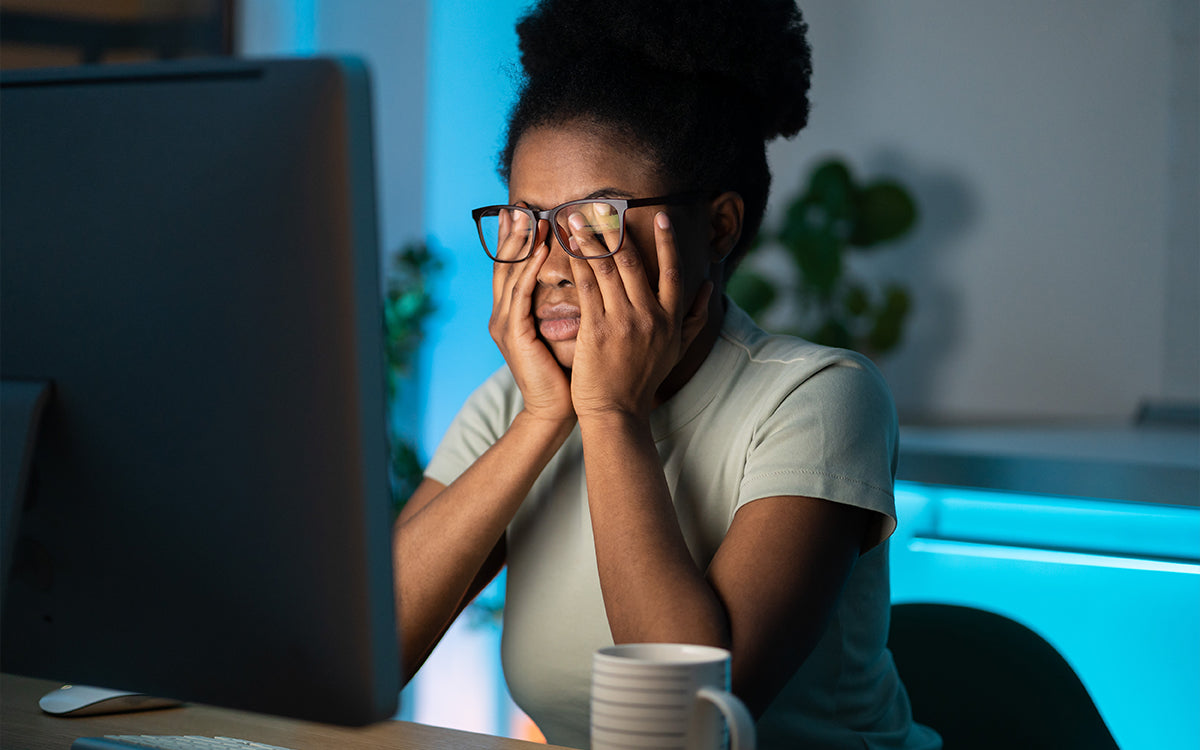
{"type": "Point", "coordinates": [558, 323]}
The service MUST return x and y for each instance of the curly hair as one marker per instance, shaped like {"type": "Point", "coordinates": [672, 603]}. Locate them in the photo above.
{"type": "Point", "coordinates": [699, 85]}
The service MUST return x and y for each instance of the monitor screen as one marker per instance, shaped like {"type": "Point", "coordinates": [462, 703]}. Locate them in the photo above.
{"type": "Point", "coordinates": [190, 292]}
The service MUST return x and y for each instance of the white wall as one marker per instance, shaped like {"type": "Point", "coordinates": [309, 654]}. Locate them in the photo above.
{"type": "Point", "coordinates": [1052, 147]}
{"type": "Point", "coordinates": [1181, 376]}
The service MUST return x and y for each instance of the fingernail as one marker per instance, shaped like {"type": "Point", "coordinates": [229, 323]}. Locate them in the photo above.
{"type": "Point", "coordinates": [577, 221]}
{"type": "Point", "coordinates": [662, 220]}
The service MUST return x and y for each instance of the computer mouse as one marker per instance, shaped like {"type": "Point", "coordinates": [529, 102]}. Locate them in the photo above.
{"type": "Point", "coordinates": [85, 700]}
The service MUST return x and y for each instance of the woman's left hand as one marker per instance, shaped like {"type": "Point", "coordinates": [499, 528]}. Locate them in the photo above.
{"type": "Point", "coordinates": [630, 336]}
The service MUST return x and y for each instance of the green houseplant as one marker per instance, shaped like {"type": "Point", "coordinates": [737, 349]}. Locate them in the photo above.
{"type": "Point", "coordinates": [830, 216]}
{"type": "Point", "coordinates": [407, 303]}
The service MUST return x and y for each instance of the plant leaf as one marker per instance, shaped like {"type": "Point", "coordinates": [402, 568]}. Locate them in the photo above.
{"type": "Point", "coordinates": [832, 185]}
{"type": "Point", "coordinates": [888, 326]}
{"type": "Point", "coordinates": [819, 256]}
{"type": "Point", "coordinates": [885, 211]}
{"type": "Point", "coordinates": [832, 333]}
{"type": "Point", "coordinates": [856, 300]}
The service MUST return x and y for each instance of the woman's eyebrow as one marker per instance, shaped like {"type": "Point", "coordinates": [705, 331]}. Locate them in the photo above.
{"type": "Point", "coordinates": [608, 192]}
{"type": "Point", "coordinates": [605, 192]}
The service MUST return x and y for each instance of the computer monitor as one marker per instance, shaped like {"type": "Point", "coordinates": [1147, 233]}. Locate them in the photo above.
{"type": "Point", "coordinates": [190, 286]}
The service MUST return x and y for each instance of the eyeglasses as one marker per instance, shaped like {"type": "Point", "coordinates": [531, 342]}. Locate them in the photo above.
{"type": "Point", "coordinates": [508, 232]}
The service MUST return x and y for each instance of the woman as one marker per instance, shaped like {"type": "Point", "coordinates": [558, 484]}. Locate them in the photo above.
{"type": "Point", "coordinates": [738, 486]}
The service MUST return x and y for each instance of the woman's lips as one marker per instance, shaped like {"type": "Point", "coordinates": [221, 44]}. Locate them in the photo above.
{"type": "Point", "coordinates": [558, 322]}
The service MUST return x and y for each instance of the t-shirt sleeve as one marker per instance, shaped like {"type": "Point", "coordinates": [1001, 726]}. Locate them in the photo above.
{"type": "Point", "coordinates": [484, 417]}
{"type": "Point", "coordinates": [833, 436]}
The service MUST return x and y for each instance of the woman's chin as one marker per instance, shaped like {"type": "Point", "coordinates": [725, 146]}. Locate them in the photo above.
{"type": "Point", "coordinates": [564, 352]}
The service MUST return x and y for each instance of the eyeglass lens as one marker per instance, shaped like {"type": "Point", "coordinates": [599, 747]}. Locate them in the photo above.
{"type": "Point", "coordinates": [507, 232]}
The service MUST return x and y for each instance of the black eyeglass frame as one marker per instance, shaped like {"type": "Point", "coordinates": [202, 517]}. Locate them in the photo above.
{"type": "Point", "coordinates": [620, 205]}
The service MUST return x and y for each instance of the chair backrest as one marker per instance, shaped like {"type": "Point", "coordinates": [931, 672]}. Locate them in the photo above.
{"type": "Point", "coordinates": [984, 681]}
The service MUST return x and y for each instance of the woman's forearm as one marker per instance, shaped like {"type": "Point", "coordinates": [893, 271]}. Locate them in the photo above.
{"type": "Point", "coordinates": [653, 590]}
{"type": "Point", "coordinates": [444, 539]}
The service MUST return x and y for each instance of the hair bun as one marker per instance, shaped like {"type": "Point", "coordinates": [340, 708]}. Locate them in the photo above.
{"type": "Point", "coordinates": [754, 49]}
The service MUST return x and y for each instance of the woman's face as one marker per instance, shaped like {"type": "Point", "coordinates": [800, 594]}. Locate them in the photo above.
{"type": "Point", "coordinates": [553, 165]}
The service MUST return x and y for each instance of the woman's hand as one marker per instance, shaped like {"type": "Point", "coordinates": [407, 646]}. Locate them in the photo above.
{"type": "Point", "coordinates": [544, 386]}
{"type": "Point", "coordinates": [630, 336]}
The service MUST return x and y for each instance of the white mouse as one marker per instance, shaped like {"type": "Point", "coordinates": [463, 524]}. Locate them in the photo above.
{"type": "Point", "coordinates": [85, 700]}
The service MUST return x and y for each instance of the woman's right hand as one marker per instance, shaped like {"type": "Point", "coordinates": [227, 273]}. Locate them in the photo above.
{"type": "Point", "coordinates": [544, 386]}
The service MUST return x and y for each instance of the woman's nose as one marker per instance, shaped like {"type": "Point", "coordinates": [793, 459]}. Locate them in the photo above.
{"type": "Point", "coordinates": [556, 271]}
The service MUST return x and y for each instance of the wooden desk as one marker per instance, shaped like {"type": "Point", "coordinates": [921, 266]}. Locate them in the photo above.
{"type": "Point", "coordinates": [23, 726]}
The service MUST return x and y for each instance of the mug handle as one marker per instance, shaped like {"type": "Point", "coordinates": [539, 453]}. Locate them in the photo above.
{"type": "Point", "coordinates": [737, 717]}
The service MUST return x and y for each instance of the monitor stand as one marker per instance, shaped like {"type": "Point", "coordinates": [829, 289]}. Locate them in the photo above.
{"type": "Point", "coordinates": [21, 406]}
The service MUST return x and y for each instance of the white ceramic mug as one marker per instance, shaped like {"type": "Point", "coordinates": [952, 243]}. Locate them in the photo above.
{"type": "Point", "coordinates": [666, 696]}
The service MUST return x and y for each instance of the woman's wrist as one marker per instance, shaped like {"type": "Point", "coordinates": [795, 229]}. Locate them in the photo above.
{"type": "Point", "coordinates": [613, 423]}
{"type": "Point", "coordinates": [540, 429]}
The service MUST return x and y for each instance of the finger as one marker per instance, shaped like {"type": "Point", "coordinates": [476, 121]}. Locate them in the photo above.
{"type": "Point", "coordinates": [587, 285]}
{"type": "Point", "coordinates": [599, 274]}
{"type": "Point", "coordinates": [585, 237]}
{"type": "Point", "coordinates": [516, 232]}
{"type": "Point", "coordinates": [511, 225]}
{"type": "Point", "coordinates": [606, 225]}
{"type": "Point", "coordinates": [513, 285]}
{"type": "Point", "coordinates": [525, 282]}
{"type": "Point", "coordinates": [593, 221]}
{"type": "Point", "coordinates": [670, 271]}
{"type": "Point", "coordinates": [627, 266]}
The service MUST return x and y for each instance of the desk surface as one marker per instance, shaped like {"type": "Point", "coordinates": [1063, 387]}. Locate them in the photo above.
{"type": "Point", "coordinates": [24, 725]}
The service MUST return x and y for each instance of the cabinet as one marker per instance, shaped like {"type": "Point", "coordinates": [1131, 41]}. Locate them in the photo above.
{"type": "Point", "coordinates": [1102, 568]}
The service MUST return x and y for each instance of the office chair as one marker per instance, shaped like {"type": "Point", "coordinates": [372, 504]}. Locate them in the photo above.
{"type": "Point", "coordinates": [984, 681]}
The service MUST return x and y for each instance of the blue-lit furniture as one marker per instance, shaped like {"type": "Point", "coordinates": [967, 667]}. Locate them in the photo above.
{"type": "Point", "coordinates": [989, 683]}
{"type": "Point", "coordinates": [1089, 537]}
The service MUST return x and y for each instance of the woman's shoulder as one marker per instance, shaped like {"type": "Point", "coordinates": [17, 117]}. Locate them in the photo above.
{"type": "Point", "coordinates": [497, 396]}
{"type": "Point", "coordinates": [790, 359]}
{"type": "Point", "coordinates": [483, 418]}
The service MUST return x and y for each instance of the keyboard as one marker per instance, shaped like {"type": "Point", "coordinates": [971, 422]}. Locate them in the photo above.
{"type": "Point", "coordinates": [166, 742]}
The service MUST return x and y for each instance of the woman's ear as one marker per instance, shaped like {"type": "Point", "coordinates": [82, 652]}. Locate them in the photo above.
{"type": "Point", "coordinates": [725, 219]}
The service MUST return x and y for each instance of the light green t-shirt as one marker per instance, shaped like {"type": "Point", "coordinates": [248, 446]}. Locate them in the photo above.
{"type": "Point", "coordinates": [764, 416]}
